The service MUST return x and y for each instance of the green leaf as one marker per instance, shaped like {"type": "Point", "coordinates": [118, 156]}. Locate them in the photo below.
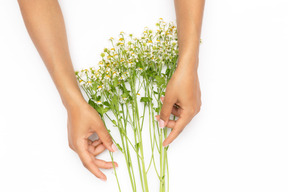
{"type": "Point", "coordinates": [106, 103]}
{"type": "Point", "coordinates": [139, 65]}
{"type": "Point", "coordinates": [104, 110]}
{"type": "Point", "coordinates": [122, 131]}
{"type": "Point", "coordinates": [114, 122]}
{"type": "Point", "coordinates": [145, 99]}
{"type": "Point", "coordinates": [137, 147]}
{"type": "Point", "coordinates": [100, 110]}
{"type": "Point", "coordinates": [159, 80]}
{"type": "Point", "coordinates": [167, 72]}
{"type": "Point", "coordinates": [90, 102]}
{"type": "Point", "coordinates": [115, 103]}
{"type": "Point", "coordinates": [119, 147]}
{"type": "Point", "coordinates": [96, 107]}
{"type": "Point", "coordinates": [125, 95]}
{"type": "Point", "coordinates": [157, 110]}
{"type": "Point", "coordinates": [115, 82]}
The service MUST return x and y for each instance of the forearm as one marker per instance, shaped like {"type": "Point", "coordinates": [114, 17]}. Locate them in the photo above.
{"type": "Point", "coordinates": [189, 14]}
{"type": "Point", "coordinates": [45, 24]}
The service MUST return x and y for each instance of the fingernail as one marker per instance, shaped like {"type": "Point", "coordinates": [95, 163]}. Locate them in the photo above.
{"type": "Point", "coordinates": [103, 179]}
{"type": "Point", "coordinates": [161, 123]}
{"type": "Point", "coordinates": [114, 147]}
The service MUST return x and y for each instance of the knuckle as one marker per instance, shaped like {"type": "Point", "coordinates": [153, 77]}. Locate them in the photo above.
{"type": "Point", "coordinates": [164, 114]}
{"type": "Point", "coordinates": [85, 164]}
{"type": "Point", "coordinates": [71, 146]}
{"type": "Point", "coordinates": [191, 112]}
{"type": "Point", "coordinates": [198, 109]}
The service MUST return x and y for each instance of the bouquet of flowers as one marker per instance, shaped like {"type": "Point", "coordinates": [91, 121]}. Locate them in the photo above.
{"type": "Point", "coordinates": [125, 88]}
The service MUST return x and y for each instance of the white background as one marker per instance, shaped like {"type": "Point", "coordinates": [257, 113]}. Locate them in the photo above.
{"type": "Point", "coordinates": [238, 142]}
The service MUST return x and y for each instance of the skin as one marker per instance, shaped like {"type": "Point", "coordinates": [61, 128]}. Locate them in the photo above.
{"type": "Point", "coordinates": [183, 89]}
{"type": "Point", "coordinates": [45, 25]}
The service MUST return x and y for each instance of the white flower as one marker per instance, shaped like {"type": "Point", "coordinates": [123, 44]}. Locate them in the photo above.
{"type": "Point", "coordinates": [107, 77]}
{"type": "Point", "coordinates": [81, 82]}
{"type": "Point", "coordinates": [123, 100]}
{"type": "Point", "coordinates": [115, 74]}
{"type": "Point", "coordinates": [139, 69]}
{"type": "Point", "coordinates": [108, 69]}
{"type": "Point", "coordinates": [99, 88]}
{"type": "Point", "coordinates": [89, 83]}
{"type": "Point", "coordinates": [122, 78]}
{"type": "Point", "coordinates": [106, 86]}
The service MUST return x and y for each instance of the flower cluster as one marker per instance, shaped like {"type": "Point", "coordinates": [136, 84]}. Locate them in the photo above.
{"type": "Point", "coordinates": [135, 71]}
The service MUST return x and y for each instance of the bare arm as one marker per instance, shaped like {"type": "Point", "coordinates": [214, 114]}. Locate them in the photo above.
{"type": "Point", "coordinates": [183, 89]}
{"type": "Point", "coordinates": [45, 24]}
{"type": "Point", "coordinates": [189, 14]}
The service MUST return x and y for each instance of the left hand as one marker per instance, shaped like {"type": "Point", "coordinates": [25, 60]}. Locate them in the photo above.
{"type": "Point", "coordinates": [183, 89]}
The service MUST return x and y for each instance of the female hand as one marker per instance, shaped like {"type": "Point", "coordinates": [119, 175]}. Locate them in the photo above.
{"type": "Point", "coordinates": [182, 99]}
{"type": "Point", "coordinates": [47, 30]}
{"type": "Point", "coordinates": [83, 121]}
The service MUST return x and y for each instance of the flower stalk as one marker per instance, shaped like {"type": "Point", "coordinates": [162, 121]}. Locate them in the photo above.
{"type": "Point", "coordinates": [125, 88]}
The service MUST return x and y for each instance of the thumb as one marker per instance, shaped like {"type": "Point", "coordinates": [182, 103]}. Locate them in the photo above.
{"type": "Point", "coordinates": [166, 110]}
{"type": "Point", "coordinates": [105, 137]}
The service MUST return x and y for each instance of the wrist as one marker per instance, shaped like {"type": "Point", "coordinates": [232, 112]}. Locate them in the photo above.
{"type": "Point", "coordinates": [188, 62]}
{"type": "Point", "coordinates": [73, 100]}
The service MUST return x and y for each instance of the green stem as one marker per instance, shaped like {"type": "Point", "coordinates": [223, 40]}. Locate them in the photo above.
{"type": "Point", "coordinates": [141, 147]}
{"type": "Point", "coordinates": [136, 141]}
{"type": "Point", "coordinates": [111, 155]}
{"type": "Point", "coordinates": [126, 152]}
{"type": "Point", "coordinates": [127, 147]}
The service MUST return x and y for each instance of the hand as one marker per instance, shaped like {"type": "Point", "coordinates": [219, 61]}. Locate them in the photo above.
{"type": "Point", "coordinates": [182, 99]}
{"type": "Point", "coordinates": [83, 121]}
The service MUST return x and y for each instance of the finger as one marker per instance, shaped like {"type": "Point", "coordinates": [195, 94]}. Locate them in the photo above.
{"type": "Point", "coordinates": [170, 124]}
{"type": "Point", "coordinates": [166, 110]}
{"type": "Point", "coordinates": [88, 162]}
{"type": "Point", "coordinates": [105, 137]}
{"type": "Point", "coordinates": [96, 150]}
{"type": "Point", "coordinates": [175, 110]}
{"type": "Point", "coordinates": [178, 128]}
{"type": "Point", "coordinates": [162, 99]}
{"type": "Point", "coordinates": [96, 142]}
{"type": "Point", "coordinates": [105, 165]}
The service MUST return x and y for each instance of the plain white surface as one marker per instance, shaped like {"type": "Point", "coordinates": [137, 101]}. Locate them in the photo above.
{"type": "Point", "coordinates": [238, 142]}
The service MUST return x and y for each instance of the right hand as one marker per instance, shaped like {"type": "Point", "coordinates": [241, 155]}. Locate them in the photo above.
{"type": "Point", "coordinates": [83, 121]}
